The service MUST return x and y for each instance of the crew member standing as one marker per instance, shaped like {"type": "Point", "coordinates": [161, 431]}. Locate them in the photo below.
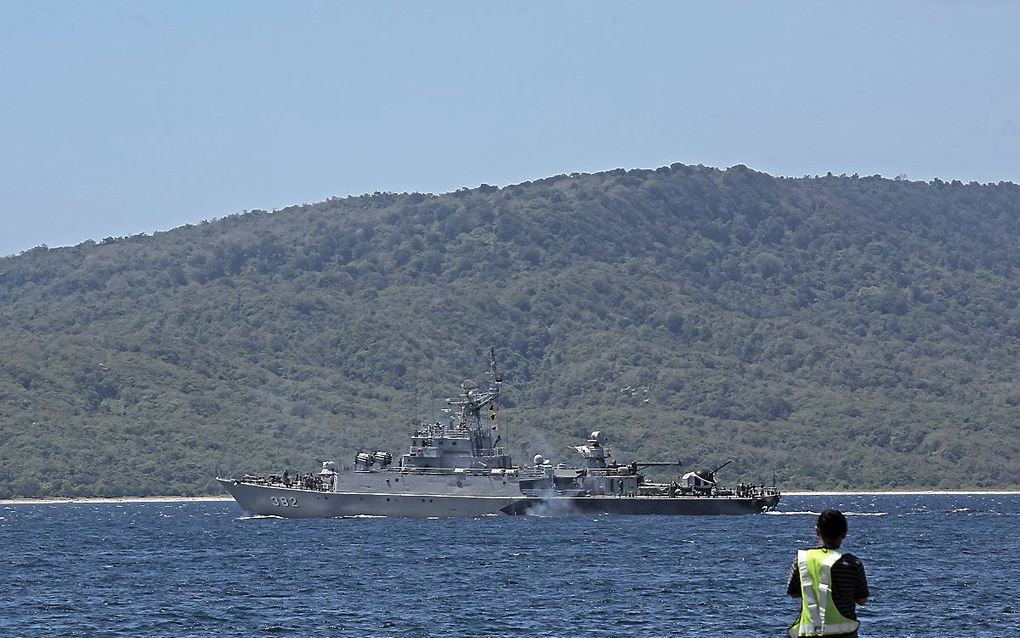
{"type": "Point", "coordinates": [830, 584]}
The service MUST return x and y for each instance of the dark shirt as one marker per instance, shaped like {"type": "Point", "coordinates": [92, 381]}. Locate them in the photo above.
{"type": "Point", "coordinates": [849, 584]}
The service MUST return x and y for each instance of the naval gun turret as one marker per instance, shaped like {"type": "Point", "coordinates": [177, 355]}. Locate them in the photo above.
{"type": "Point", "coordinates": [702, 481]}
{"type": "Point", "coordinates": [600, 475]}
{"type": "Point", "coordinates": [594, 452]}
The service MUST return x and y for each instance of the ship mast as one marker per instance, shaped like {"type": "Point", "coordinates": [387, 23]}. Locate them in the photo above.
{"type": "Point", "coordinates": [473, 399]}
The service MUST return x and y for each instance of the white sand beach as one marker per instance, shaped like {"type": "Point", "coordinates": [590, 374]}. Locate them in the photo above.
{"type": "Point", "coordinates": [120, 499]}
{"type": "Point", "coordinates": [903, 493]}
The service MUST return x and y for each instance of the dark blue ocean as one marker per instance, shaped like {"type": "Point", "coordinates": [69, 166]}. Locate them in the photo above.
{"type": "Point", "coordinates": [938, 565]}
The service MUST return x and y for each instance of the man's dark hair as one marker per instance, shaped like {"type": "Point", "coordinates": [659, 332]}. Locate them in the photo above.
{"type": "Point", "coordinates": [831, 525]}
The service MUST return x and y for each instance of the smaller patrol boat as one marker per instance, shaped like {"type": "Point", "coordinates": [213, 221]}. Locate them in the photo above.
{"type": "Point", "coordinates": [459, 469]}
{"type": "Point", "coordinates": [601, 485]}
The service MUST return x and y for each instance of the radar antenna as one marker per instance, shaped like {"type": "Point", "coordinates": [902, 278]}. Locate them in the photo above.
{"type": "Point", "coordinates": [473, 400]}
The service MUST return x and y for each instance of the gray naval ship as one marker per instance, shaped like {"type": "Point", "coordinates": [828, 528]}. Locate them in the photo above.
{"type": "Point", "coordinates": [458, 468]}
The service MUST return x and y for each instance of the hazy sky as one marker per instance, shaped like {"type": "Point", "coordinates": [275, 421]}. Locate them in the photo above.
{"type": "Point", "coordinates": [119, 118]}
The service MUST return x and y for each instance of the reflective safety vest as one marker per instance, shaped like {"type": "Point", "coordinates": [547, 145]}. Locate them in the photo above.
{"type": "Point", "coordinates": [818, 613]}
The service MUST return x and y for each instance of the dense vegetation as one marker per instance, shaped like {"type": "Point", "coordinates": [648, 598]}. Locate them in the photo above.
{"type": "Point", "coordinates": [847, 332]}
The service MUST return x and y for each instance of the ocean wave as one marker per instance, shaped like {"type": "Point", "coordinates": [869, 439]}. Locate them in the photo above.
{"type": "Point", "coordinates": [809, 513]}
{"type": "Point", "coordinates": [980, 511]}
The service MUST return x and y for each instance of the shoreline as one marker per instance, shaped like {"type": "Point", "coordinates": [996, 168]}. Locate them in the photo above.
{"type": "Point", "coordinates": [905, 493]}
{"type": "Point", "coordinates": [97, 500]}
{"type": "Point", "coordinates": [100, 500]}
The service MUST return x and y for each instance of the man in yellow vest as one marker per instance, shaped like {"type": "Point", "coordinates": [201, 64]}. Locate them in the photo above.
{"type": "Point", "coordinates": [830, 584]}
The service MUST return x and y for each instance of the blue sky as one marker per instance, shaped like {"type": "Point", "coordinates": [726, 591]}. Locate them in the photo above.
{"type": "Point", "coordinates": [119, 118]}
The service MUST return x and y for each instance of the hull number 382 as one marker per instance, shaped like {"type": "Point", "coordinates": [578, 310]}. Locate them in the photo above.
{"type": "Point", "coordinates": [283, 501]}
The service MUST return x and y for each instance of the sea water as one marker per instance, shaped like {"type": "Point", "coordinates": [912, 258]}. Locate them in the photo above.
{"type": "Point", "coordinates": [938, 565]}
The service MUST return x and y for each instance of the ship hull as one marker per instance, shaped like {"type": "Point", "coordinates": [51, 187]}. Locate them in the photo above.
{"type": "Point", "coordinates": [263, 500]}
{"type": "Point", "coordinates": [271, 500]}
{"type": "Point", "coordinates": [642, 505]}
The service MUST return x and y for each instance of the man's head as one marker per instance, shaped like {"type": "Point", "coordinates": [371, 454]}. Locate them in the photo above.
{"type": "Point", "coordinates": [831, 527]}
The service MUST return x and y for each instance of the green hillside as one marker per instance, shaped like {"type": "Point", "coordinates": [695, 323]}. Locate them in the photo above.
{"type": "Point", "coordinates": [847, 332]}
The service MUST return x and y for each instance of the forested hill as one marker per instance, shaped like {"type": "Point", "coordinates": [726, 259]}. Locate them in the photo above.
{"type": "Point", "coordinates": [847, 332]}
